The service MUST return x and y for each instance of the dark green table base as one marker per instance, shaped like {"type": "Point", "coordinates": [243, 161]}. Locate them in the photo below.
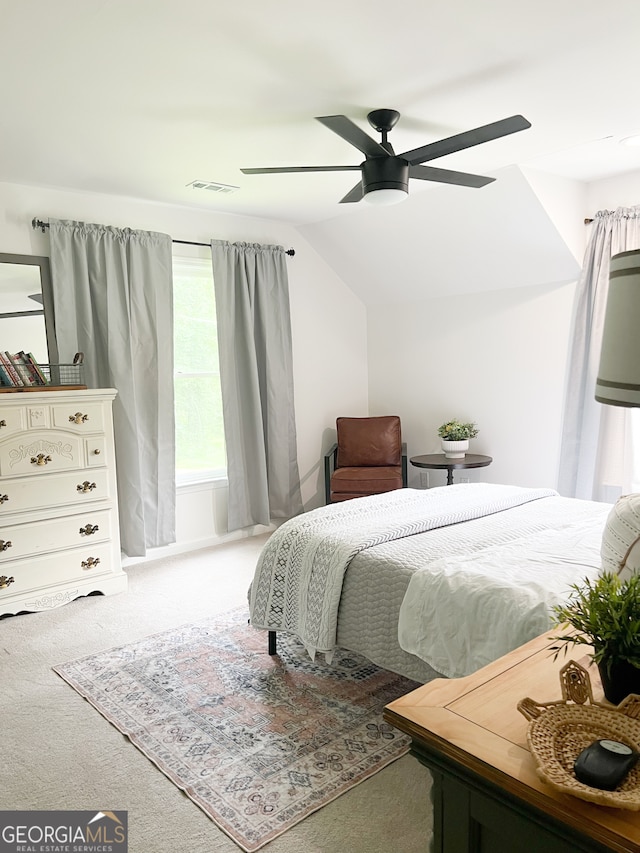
{"type": "Point", "coordinates": [471, 815]}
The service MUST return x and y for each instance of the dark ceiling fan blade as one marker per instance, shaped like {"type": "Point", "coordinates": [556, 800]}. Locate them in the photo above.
{"type": "Point", "coordinates": [467, 139]}
{"type": "Point", "coordinates": [446, 176]}
{"type": "Point", "coordinates": [351, 133]}
{"type": "Point", "coordinates": [355, 194]}
{"type": "Point", "coordinates": [279, 169]}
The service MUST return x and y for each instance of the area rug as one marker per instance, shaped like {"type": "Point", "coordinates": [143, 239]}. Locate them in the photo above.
{"type": "Point", "coordinates": [257, 742]}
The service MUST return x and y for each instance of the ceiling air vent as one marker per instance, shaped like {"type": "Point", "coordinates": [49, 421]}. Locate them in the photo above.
{"type": "Point", "coordinates": [223, 189]}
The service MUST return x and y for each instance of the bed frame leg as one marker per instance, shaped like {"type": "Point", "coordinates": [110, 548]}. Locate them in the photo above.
{"type": "Point", "coordinates": [272, 643]}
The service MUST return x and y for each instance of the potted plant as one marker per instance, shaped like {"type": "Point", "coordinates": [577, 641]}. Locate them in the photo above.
{"type": "Point", "coordinates": [455, 437]}
{"type": "Point", "coordinates": [605, 613]}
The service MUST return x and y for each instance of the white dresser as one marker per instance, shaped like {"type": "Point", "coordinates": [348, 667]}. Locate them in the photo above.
{"type": "Point", "coordinates": [59, 536]}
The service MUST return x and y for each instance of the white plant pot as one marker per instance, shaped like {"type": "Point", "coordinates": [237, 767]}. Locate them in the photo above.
{"type": "Point", "coordinates": [455, 449]}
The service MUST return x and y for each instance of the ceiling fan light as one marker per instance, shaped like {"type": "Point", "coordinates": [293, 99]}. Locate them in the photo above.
{"type": "Point", "coordinates": [385, 196]}
{"type": "Point", "coordinates": [385, 180]}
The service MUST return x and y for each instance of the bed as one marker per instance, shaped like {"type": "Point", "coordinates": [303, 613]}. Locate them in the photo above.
{"type": "Point", "coordinates": [425, 582]}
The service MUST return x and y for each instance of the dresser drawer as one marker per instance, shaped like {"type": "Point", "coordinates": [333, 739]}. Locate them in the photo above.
{"type": "Point", "coordinates": [80, 417]}
{"type": "Point", "coordinates": [40, 452]}
{"type": "Point", "coordinates": [77, 416]}
{"type": "Point", "coordinates": [39, 537]}
{"type": "Point", "coordinates": [96, 451]}
{"type": "Point", "coordinates": [53, 490]}
{"type": "Point", "coordinates": [78, 564]}
{"type": "Point", "coordinates": [11, 420]}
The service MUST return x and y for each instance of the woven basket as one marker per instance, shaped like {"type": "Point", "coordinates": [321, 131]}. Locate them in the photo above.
{"type": "Point", "coordinates": [559, 731]}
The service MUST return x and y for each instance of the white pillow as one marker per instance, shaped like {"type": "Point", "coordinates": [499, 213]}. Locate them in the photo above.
{"type": "Point", "coordinates": [620, 550]}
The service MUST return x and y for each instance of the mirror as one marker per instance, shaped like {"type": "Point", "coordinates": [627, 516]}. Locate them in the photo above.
{"type": "Point", "coordinates": [26, 307]}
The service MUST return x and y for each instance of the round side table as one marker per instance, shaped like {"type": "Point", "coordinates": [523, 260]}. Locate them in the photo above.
{"type": "Point", "coordinates": [440, 461]}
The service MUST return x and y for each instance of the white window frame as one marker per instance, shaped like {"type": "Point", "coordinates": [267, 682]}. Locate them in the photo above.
{"type": "Point", "coordinates": [200, 257]}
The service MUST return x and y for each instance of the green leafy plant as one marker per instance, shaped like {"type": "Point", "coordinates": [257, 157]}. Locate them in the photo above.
{"type": "Point", "coordinates": [457, 431]}
{"type": "Point", "coordinates": [606, 614]}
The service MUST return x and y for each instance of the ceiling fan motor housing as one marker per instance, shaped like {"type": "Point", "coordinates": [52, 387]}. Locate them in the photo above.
{"type": "Point", "coordinates": [383, 120]}
{"type": "Point", "coordinates": [385, 173]}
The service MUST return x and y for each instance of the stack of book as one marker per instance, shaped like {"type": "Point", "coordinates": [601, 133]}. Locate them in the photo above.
{"type": "Point", "coordinates": [20, 370]}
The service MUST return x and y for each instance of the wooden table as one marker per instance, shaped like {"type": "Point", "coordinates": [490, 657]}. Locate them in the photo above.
{"type": "Point", "coordinates": [487, 797]}
{"type": "Point", "coordinates": [439, 460]}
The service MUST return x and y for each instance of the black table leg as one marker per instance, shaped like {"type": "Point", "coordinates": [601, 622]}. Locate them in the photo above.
{"type": "Point", "coordinates": [272, 643]}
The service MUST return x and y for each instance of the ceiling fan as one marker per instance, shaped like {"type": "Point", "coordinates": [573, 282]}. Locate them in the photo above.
{"type": "Point", "coordinates": [385, 174]}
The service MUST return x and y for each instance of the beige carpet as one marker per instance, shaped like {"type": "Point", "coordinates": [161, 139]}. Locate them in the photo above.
{"type": "Point", "coordinates": [56, 752]}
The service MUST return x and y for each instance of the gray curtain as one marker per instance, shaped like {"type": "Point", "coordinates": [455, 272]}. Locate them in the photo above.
{"type": "Point", "coordinates": [256, 374]}
{"type": "Point", "coordinates": [598, 441]}
{"type": "Point", "coordinates": [113, 301]}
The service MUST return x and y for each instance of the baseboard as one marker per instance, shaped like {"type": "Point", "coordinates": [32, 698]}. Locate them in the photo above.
{"type": "Point", "coordinates": [177, 548]}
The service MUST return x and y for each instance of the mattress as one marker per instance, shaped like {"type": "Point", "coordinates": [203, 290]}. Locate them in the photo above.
{"type": "Point", "coordinates": [299, 577]}
{"type": "Point", "coordinates": [377, 579]}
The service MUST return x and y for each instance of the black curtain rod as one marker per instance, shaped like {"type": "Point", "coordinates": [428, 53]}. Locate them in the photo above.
{"type": "Point", "coordinates": [39, 223]}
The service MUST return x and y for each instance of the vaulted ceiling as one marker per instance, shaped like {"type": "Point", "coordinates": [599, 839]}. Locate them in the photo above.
{"type": "Point", "coordinates": [143, 98]}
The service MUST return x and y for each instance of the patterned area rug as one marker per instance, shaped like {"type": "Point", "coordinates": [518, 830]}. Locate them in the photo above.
{"type": "Point", "coordinates": [257, 742]}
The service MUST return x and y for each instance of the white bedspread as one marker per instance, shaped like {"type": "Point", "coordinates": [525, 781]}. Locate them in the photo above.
{"type": "Point", "coordinates": [298, 579]}
{"type": "Point", "coordinates": [462, 612]}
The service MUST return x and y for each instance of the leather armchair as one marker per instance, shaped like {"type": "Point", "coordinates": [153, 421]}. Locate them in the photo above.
{"type": "Point", "coordinates": [368, 458]}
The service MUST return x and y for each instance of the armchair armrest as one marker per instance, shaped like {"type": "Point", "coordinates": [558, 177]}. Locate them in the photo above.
{"type": "Point", "coordinates": [329, 467]}
{"type": "Point", "coordinates": [404, 465]}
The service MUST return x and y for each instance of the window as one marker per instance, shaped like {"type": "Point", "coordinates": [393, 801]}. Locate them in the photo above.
{"type": "Point", "coordinates": [200, 448]}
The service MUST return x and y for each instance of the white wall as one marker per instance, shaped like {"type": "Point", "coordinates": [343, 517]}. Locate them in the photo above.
{"type": "Point", "coordinates": [447, 240]}
{"type": "Point", "coordinates": [496, 357]}
{"type": "Point", "coordinates": [563, 199]}
{"type": "Point", "coordinates": [328, 324]}
{"type": "Point", "coordinates": [609, 193]}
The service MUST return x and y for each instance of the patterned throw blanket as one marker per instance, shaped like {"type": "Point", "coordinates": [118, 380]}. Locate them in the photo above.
{"type": "Point", "coordinates": [298, 579]}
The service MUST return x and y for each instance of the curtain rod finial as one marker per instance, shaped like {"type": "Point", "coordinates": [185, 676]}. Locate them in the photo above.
{"type": "Point", "coordinates": [38, 223]}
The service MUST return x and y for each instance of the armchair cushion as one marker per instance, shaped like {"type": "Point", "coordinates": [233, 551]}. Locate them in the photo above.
{"type": "Point", "coordinates": [355, 482]}
{"type": "Point", "coordinates": [369, 442]}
